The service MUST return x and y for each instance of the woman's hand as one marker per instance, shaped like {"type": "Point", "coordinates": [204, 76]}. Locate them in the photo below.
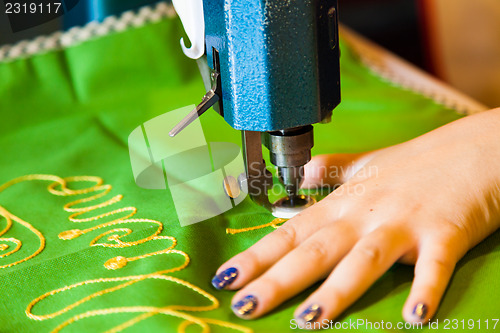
{"type": "Point", "coordinates": [424, 202]}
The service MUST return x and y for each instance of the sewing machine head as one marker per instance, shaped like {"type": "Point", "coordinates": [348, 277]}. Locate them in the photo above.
{"type": "Point", "coordinates": [272, 66]}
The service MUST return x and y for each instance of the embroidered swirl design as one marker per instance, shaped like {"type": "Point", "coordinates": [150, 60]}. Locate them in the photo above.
{"type": "Point", "coordinates": [113, 238]}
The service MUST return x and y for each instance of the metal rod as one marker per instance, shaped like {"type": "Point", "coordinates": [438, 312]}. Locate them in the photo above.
{"type": "Point", "coordinates": [208, 101]}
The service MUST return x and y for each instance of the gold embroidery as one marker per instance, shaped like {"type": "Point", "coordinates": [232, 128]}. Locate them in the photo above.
{"type": "Point", "coordinates": [11, 217]}
{"type": "Point", "coordinates": [4, 247]}
{"type": "Point", "coordinates": [274, 223]}
{"type": "Point", "coordinates": [114, 237]}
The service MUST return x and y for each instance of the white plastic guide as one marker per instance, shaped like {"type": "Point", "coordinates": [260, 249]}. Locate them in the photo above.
{"type": "Point", "coordinates": [191, 15]}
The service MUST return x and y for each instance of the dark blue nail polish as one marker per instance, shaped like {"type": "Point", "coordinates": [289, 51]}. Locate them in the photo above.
{"type": "Point", "coordinates": [309, 315]}
{"type": "Point", "coordinates": [420, 310]}
{"type": "Point", "coordinates": [225, 278]}
{"type": "Point", "coordinates": [245, 306]}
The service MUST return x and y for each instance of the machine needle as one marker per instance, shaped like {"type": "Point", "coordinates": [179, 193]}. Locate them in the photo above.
{"type": "Point", "coordinates": [208, 101]}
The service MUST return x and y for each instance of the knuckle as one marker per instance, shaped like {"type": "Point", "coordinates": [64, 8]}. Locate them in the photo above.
{"type": "Point", "coordinates": [273, 288]}
{"type": "Point", "coordinates": [249, 259]}
{"type": "Point", "coordinates": [443, 266]}
{"type": "Point", "coordinates": [336, 295]}
{"type": "Point", "coordinates": [370, 253]}
{"type": "Point", "coordinates": [315, 250]}
{"type": "Point", "coordinates": [286, 234]}
{"type": "Point", "coordinates": [459, 233]}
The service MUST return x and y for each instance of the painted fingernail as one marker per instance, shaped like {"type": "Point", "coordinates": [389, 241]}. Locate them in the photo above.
{"type": "Point", "coordinates": [308, 315]}
{"type": "Point", "coordinates": [420, 310]}
{"type": "Point", "coordinates": [225, 278]}
{"type": "Point", "coordinates": [246, 305]}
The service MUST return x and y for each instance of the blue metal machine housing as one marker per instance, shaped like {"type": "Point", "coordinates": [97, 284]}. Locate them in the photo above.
{"type": "Point", "coordinates": [278, 61]}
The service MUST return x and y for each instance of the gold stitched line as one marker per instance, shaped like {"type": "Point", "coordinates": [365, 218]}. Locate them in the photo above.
{"type": "Point", "coordinates": [129, 281]}
{"type": "Point", "coordinates": [4, 247]}
{"type": "Point", "coordinates": [217, 322]}
{"type": "Point", "coordinates": [113, 263]}
{"type": "Point", "coordinates": [9, 217]}
{"type": "Point", "coordinates": [146, 309]}
{"type": "Point", "coordinates": [8, 225]}
{"type": "Point", "coordinates": [274, 223]}
{"type": "Point", "coordinates": [41, 239]}
{"type": "Point", "coordinates": [68, 206]}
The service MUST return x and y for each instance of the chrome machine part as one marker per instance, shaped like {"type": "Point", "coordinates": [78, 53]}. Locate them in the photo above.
{"type": "Point", "coordinates": [285, 208]}
{"type": "Point", "coordinates": [258, 178]}
{"type": "Point", "coordinates": [212, 82]}
{"type": "Point", "coordinates": [290, 150]}
{"type": "Point", "coordinates": [210, 98]}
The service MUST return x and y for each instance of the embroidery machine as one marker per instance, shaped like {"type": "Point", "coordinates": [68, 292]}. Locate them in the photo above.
{"type": "Point", "coordinates": [271, 69]}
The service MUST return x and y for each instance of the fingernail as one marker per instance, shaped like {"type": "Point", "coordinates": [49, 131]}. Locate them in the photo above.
{"type": "Point", "coordinates": [246, 305]}
{"type": "Point", "coordinates": [309, 315]}
{"type": "Point", "coordinates": [420, 310]}
{"type": "Point", "coordinates": [225, 278]}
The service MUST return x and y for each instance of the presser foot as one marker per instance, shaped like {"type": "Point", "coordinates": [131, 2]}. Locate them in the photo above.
{"type": "Point", "coordinates": [288, 207]}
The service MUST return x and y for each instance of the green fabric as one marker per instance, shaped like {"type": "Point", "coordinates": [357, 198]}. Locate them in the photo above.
{"type": "Point", "coordinates": [69, 112]}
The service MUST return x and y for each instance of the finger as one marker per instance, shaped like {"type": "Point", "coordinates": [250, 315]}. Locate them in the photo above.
{"type": "Point", "coordinates": [300, 268]}
{"type": "Point", "coordinates": [248, 265]}
{"type": "Point", "coordinates": [433, 270]}
{"type": "Point", "coordinates": [333, 169]}
{"type": "Point", "coordinates": [359, 269]}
